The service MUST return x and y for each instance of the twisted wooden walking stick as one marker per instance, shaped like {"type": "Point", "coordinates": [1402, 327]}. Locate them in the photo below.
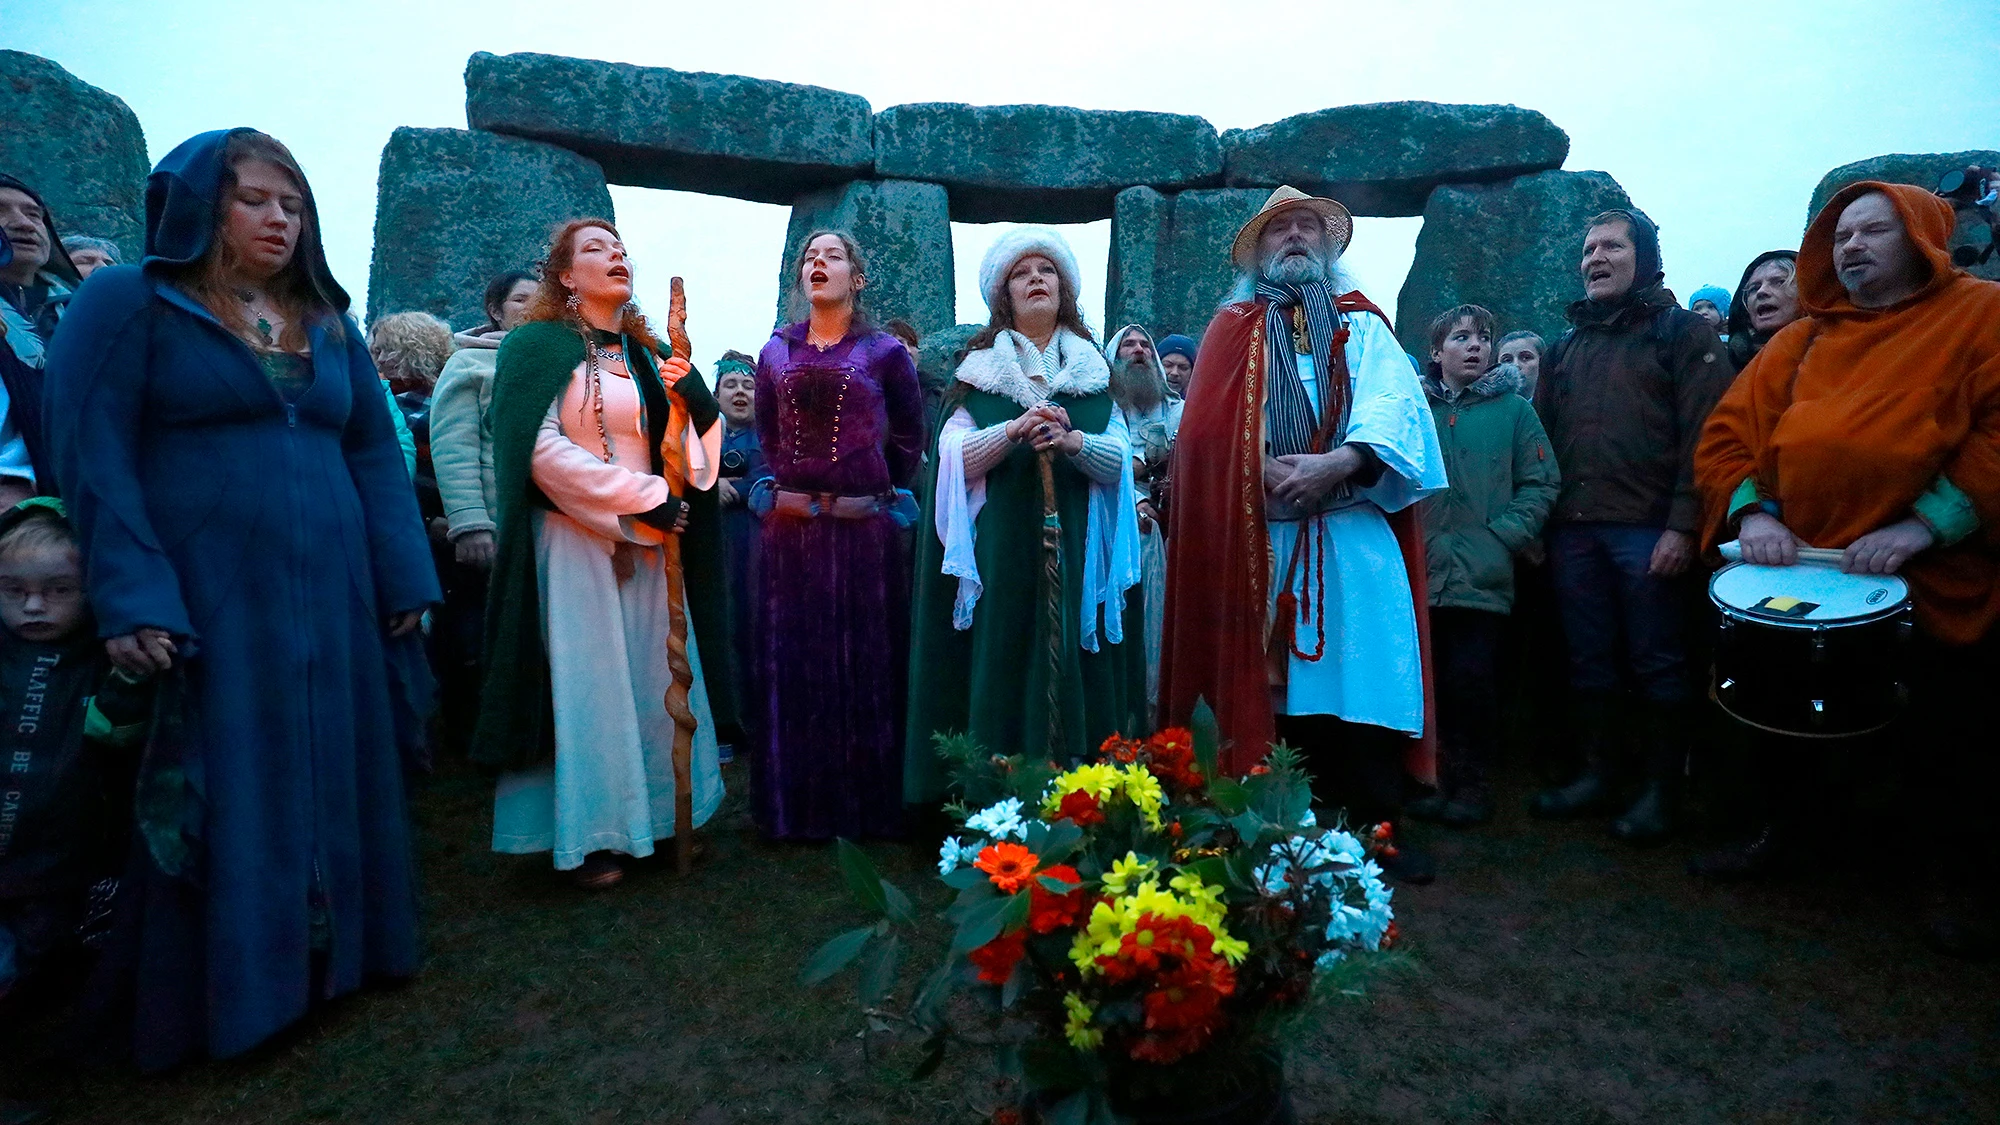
{"type": "Point", "coordinates": [1053, 597]}
{"type": "Point", "coordinates": [679, 705]}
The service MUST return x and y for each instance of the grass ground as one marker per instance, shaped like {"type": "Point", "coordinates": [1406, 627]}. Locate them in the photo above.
{"type": "Point", "coordinates": [1553, 976]}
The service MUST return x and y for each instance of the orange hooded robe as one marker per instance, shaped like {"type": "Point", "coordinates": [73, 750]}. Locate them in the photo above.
{"type": "Point", "coordinates": [1850, 415]}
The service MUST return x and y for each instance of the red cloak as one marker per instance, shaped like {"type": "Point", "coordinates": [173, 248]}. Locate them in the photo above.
{"type": "Point", "coordinates": [1219, 552]}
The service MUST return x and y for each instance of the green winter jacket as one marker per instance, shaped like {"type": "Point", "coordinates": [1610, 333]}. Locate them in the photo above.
{"type": "Point", "coordinates": [1503, 482]}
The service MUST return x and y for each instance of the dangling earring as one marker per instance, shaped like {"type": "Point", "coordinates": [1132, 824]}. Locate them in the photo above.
{"type": "Point", "coordinates": [573, 304]}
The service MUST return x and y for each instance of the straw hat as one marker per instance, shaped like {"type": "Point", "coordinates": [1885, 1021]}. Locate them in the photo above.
{"type": "Point", "coordinates": [1339, 224]}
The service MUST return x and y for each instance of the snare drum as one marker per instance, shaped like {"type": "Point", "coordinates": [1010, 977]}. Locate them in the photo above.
{"type": "Point", "coordinates": [1809, 651]}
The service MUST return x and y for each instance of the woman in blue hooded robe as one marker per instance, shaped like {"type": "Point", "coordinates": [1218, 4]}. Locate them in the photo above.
{"type": "Point", "coordinates": [249, 527]}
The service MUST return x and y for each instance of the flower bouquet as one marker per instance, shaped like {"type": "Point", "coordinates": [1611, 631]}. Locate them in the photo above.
{"type": "Point", "coordinates": [1140, 926]}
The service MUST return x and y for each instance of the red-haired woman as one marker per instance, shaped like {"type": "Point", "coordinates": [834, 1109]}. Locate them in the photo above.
{"type": "Point", "coordinates": [250, 530]}
{"type": "Point", "coordinates": [605, 453]}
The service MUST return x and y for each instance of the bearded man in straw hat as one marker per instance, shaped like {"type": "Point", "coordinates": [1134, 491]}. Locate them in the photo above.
{"type": "Point", "coordinates": [1305, 441]}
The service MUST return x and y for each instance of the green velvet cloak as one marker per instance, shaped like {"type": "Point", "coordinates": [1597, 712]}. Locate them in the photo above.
{"type": "Point", "coordinates": [992, 680]}
{"type": "Point", "coordinates": [516, 713]}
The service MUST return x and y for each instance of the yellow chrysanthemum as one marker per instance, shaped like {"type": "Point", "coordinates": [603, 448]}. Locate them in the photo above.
{"type": "Point", "coordinates": [1143, 790]}
{"type": "Point", "coordinates": [1097, 779]}
{"type": "Point", "coordinates": [1077, 1028]}
{"type": "Point", "coordinates": [1111, 921]}
{"type": "Point", "coordinates": [1127, 873]}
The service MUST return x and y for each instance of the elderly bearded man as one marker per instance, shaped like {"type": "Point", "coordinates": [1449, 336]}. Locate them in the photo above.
{"type": "Point", "coordinates": [1305, 441]}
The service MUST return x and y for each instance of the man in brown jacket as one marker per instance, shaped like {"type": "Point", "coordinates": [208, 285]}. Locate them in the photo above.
{"type": "Point", "coordinates": [1623, 396]}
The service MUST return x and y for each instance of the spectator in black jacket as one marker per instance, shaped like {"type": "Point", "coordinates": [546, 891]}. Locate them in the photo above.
{"type": "Point", "coordinates": [1623, 396]}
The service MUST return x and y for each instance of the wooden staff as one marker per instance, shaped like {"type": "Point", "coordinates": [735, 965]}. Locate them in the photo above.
{"type": "Point", "coordinates": [1052, 581]}
{"type": "Point", "coordinates": [678, 703]}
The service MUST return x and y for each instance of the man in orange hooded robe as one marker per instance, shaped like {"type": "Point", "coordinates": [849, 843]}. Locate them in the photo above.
{"type": "Point", "coordinates": [1872, 425]}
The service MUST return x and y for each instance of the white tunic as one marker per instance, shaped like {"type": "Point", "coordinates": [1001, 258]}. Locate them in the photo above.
{"type": "Point", "coordinates": [611, 785]}
{"type": "Point", "coordinates": [1371, 670]}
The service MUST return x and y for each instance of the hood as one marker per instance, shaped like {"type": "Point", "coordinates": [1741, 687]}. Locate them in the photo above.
{"type": "Point", "coordinates": [1639, 303]}
{"type": "Point", "coordinates": [1739, 310]}
{"type": "Point", "coordinates": [1928, 219]}
{"type": "Point", "coordinates": [477, 338]}
{"type": "Point", "coordinates": [181, 201]}
{"type": "Point", "coordinates": [1111, 353]}
{"type": "Point", "coordinates": [1500, 380]}
{"type": "Point", "coordinates": [59, 267]}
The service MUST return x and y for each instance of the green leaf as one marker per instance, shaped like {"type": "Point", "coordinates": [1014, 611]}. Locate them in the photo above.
{"type": "Point", "coordinates": [1248, 825]}
{"type": "Point", "coordinates": [982, 891]}
{"type": "Point", "coordinates": [1207, 737]}
{"type": "Point", "coordinates": [897, 905]}
{"type": "Point", "coordinates": [1038, 834]}
{"type": "Point", "coordinates": [964, 878]}
{"type": "Point", "coordinates": [1229, 795]}
{"type": "Point", "coordinates": [1017, 983]}
{"type": "Point", "coordinates": [1060, 839]}
{"type": "Point", "coordinates": [862, 878]}
{"type": "Point", "coordinates": [1056, 886]}
{"type": "Point", "coordinates": [1213, 870]}
{"type": "Point", "coordinates": [983, 922]}
{"type": "Point", "coordinates": [1072, 1110]}
{"type": "Point", "coordinates": [933, 1056]}
{"type": "Point", "coordinates": [878, 969]}
{"type": "Point", "coordinates": [835, 954]}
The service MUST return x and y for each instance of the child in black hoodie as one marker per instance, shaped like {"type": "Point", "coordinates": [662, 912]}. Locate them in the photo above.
{"type": "Point", "coordinates": [68, 722]}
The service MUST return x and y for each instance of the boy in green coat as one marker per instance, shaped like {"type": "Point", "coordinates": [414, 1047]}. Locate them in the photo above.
{"type": "Point", "coordinates": [1503, 482]}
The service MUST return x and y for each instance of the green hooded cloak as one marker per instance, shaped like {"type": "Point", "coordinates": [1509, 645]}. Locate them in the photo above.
{"type": "Point", "coordinates": [516, 713]}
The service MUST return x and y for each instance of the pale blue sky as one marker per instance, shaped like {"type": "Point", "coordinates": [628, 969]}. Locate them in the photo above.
{"type": "Point", "coordinates": [1717, 118]}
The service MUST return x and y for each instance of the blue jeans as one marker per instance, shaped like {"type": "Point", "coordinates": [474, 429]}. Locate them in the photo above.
{"type": "Point", "coordinates": [1612, 609]}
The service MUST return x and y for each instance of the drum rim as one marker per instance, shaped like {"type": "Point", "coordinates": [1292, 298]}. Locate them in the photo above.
{"type": "Point", "coordinates": [1715, 697]}
{"type": "Point", "coordinates": [1738, 613]}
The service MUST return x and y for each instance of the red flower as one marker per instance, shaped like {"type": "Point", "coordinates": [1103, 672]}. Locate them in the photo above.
{"type": "Point", "coordinates": [997, 958]}
{"type": "Point", "coordinates": [1006, 1115]}
{"type": "Point", "coordinates": [1157, 944]}
{"type": "Point", "coordinates": [1259, 770]}
{"type": "Point", "coordinates": [1170, 755]}
{"type": "Point", "coordinates": [1048, 911]}
{"type": "Point", "coordinates": [1009, 865]}
{"type": "Point", "coordinates": [1081, 808]}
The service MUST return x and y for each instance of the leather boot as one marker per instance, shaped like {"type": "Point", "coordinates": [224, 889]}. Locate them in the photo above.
{"type": "Point", "coordinates": [1591, 791]}
{"type": "Point", "coordinates": [1651, 819]}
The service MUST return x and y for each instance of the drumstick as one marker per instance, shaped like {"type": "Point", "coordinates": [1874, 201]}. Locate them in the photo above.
{"type": "Point", "coordinates": [1814, 556]}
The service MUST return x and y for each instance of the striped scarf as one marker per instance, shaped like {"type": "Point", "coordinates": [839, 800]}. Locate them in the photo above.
{"type": "Point", "coordinates": [1289, 418]}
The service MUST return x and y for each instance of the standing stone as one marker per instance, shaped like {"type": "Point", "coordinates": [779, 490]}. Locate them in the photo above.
{"type": "Point", "coordinates": [1384, 158]}
{"type": "Point", "coordinates": [904, 229]}
{"type": "Point", "coordinates": [453, 208]}
{"type": "Point", "coordinates": [77, 145]}
{"type": "Point", "coordinates": [1512, 247]}
{"type": "Point", "coordinates": [1170, 267]}
{"type": "Point", "coordinates": [1924, 170]}
{"type": "Point", "coordinates": [720, 134]}
{"type": "Point", "coordinates": [1042, 163]}
{"type": "Point", "coordinates": [937, 358]}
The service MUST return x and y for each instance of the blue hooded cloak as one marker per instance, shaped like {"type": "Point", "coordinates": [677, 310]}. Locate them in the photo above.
{"type": "Point", "coordinates": [271, 540]}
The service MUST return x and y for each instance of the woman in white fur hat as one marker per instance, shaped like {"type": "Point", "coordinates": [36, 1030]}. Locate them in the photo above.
{"type": "Point", "coordinates": [1030, 535]}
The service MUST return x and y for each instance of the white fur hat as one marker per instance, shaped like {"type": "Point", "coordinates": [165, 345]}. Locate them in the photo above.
{"type": "Point", "coordinates": [1019, 243]}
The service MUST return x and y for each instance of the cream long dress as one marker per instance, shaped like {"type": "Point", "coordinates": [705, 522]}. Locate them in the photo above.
{"type": "Point", "coordinates": [611, 784]}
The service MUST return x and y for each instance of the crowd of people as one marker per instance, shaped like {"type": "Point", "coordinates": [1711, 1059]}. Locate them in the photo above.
{"type": "Point", "coordinates": [257, 567]}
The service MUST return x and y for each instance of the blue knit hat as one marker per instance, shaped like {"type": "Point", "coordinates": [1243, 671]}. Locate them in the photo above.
{"type": "Point", "coordinates": [1176, 344]}
{"type": "Point", "coordinates": [1715, 295]}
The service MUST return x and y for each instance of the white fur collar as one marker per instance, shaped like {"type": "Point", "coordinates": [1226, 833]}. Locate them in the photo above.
{"type": "Point", "coordinates": [1002, 369]}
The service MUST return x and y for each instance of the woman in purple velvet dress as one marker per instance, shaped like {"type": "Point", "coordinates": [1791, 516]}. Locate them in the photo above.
{"type": "Point", "coordinates": [840, 419]}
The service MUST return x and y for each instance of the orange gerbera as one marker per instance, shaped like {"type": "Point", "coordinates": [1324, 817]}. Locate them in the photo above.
{"type": "Point", "coordinates": [1008, 865]}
